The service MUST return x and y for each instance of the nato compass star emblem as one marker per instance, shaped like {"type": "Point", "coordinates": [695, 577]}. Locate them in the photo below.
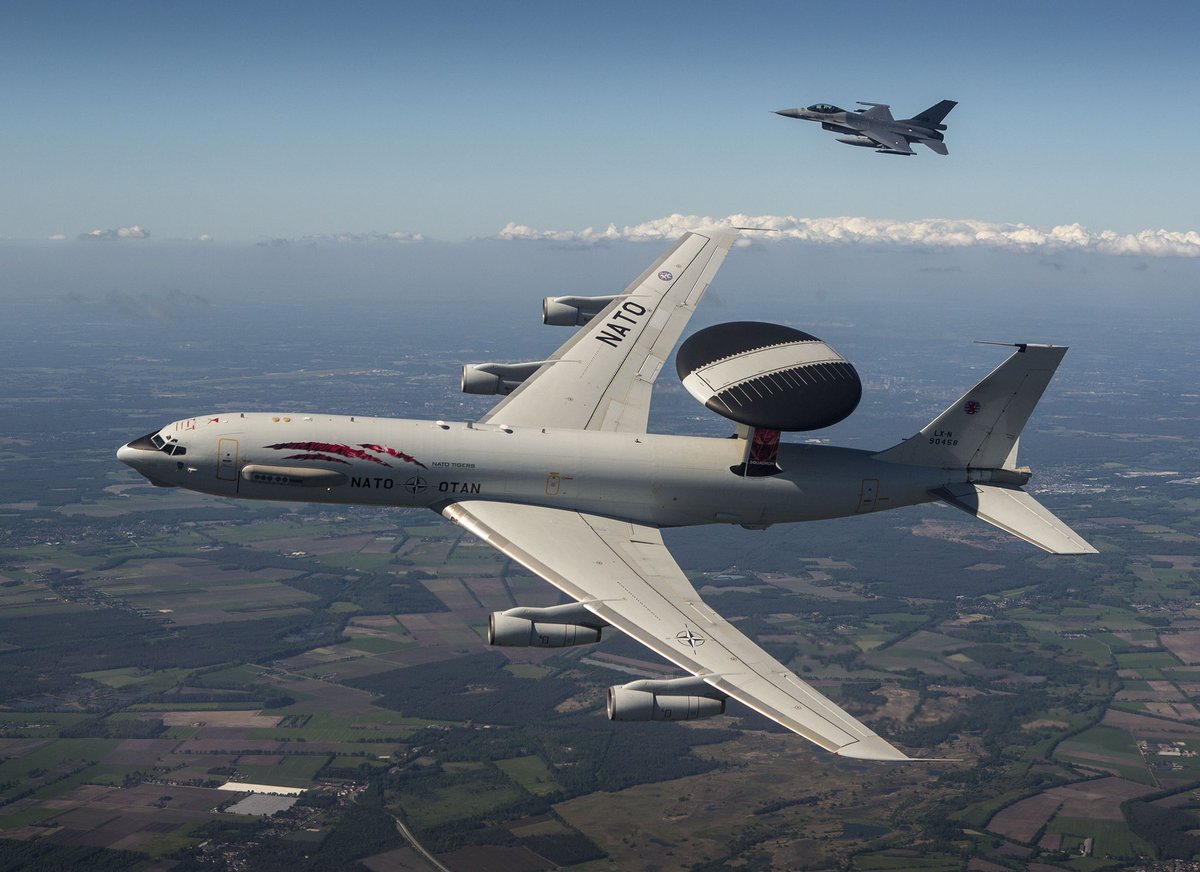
{"type": "Point", "coordinates": [690, 638]}
{"type": "Point", "coordinates": [972, 407]}
{"type": "Point", "coordinates": [415, 485]}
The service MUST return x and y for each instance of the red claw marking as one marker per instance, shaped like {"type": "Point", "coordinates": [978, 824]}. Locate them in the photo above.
{"type": "Point", "coordinates": [328, 448]}
{"type": "Point", "coordinates": [392, 452]}
{"type": "Point", "coordinates": [315, 457]}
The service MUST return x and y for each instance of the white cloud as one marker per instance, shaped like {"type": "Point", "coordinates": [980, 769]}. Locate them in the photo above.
{"type": "Point", "coordinates": [133, 232]}
{"type": "Point", "coordinates": [204, 237]}
{"type": "Point", "coordinates": [58, 237]}
{"type": "Point", "coordinates": [394, 236]}
{"type": "Point", "coordinates": [402, 236]}
{"type": "Point", "coordinates": [931, 232]}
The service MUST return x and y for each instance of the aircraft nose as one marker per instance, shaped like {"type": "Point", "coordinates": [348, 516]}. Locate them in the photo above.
{"type": "Point", "coordinates": [138, 450]}
{"type": "Point", "coordinates": [789, 113]}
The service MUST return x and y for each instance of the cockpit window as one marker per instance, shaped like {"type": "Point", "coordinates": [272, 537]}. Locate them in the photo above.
{"type": "Point", "coordinates": [824, 108]}
{"type": "Point", "coordinates": [156, 442]}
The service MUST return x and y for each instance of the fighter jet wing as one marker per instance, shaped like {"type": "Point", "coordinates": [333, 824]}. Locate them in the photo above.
{"type": "Point", "coordinates": [889, 141]}
{"type": "Point", "coordinates": [624, 574]}
{"type": "Point", "coordinates": [602, 377]}
{"type": "Point", "coordinates": [876, 111]}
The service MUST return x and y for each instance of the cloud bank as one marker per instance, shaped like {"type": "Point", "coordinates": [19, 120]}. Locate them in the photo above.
{"type": "Point", "coordinates": [133, 232]}
{"type": "Point", "coordinates": [931, 232]}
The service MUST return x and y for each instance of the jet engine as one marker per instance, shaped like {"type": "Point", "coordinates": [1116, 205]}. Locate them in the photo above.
{"type": "Point", "coordinates": [573, 311]}
{"type": "Point", "coordinates": [864, 141]}
{"type": "Point", "coordinates": [496, 378]}
{"type": "Point", "coordinates": [555, 627]}
{"type": "Point", "coordinates": [677, 699]}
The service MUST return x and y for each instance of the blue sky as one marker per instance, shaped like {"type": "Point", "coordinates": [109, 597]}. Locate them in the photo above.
{"type": "Point", "coordinates": [252, 121]}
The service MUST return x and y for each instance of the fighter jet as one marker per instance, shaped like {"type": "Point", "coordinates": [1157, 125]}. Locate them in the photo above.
{"type": "Point", "coordinates": [874, 127]}
{"type": "Point", "coordinates": [562, 476]}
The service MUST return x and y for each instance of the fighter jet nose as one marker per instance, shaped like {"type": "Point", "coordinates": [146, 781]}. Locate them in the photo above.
{"type": "Point", "coordinates": [788, 113]}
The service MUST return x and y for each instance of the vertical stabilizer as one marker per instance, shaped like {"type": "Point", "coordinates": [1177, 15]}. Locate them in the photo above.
{"type": "Point", "coordinates": [935, 114]}
{"type": "Point", "coordinates": [981, 429]}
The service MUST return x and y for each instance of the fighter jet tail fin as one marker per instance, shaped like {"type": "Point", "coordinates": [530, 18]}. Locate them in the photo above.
{"type": "Point", "coordinates": [980, 430]}
{"type": "Point", "coordinates": [935, 114]}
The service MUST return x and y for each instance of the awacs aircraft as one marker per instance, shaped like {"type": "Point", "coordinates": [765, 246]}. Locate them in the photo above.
{"type": "Point", "coordinates": [562, 477]}
{"type": "Point", "coordinates": [874, 127]}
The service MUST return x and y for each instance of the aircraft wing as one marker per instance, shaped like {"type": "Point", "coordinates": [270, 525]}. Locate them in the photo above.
{"type": "Point", "coordinates": [624, 574]}
{"type": "Point", "coordinates": [602, 377]}
{"type": "Point", "coordinates": [888, 140]}
{"type": "Point", "coordinates": [876, 111]}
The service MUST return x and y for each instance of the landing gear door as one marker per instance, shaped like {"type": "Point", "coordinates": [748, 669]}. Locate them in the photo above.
{"type": "Point", "coordinates": [868, 495]}
{"type": "Point", "coordinates": [227, 458]}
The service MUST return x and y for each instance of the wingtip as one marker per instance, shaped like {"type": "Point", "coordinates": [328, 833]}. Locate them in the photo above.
{"type": "Point", "coordinates": [873, 748]}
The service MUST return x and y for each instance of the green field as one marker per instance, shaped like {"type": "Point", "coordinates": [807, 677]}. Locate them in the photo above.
{"type": "Point", "coordinates": [148, 680]}
{"type": "Point", "coordinates": [1155, 659]}
{"type": "Point", "coordinates": [294, 770]}
{"type": "Point", "coordinates": [887, 862]}
{"type": "Point", "coordinates": [1113, 838]}
{"type": "Point", "coordinates": [464, 799]}
{"type": "Point", "coordinates": [1106, 748]}
{"type": "Point", "coordinates": [531, 773]}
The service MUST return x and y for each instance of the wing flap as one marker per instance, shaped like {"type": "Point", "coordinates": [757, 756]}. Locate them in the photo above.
{"type": "Point", "coordinates": [625, 575]}
{"type": "Point", "coordinates": [1016, 512]}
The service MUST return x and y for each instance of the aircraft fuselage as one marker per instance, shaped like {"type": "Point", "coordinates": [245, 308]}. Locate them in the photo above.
{"type": "Point", "coordinates": [658, 480]}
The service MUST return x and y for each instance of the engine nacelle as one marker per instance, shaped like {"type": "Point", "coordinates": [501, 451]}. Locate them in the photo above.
{"type": "Point", "coordinates": [573, 311]}
{"type": "Point", "coordinates": [555, 627]}
{"type": "Point", "coordinates": [496, 378]}
{"type": "Point", "coordinates": [680, 699]}
{"type": "Point", "coordinates": [864, 141]}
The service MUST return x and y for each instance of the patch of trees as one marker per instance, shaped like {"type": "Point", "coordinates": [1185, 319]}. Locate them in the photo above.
{"type": "Point", "coordinates": [564, 849]}
{"type": "Point", "coordinates": [860, 697]}
{"type": "Point", "coordinates": [473, 688]}
{"type": "Point", "coordinates": [998, 718]}
{"type": "Point", "coordinates": [114, 728]}
{"type": "Point", "coordinates": [364, 828]}
{"type": "Point", "coordinates": [1167, 829]}
{"type": "Point", "coordinates": [376, 593]}
{"type": "Point", "coordinates": [52, 648]}
{"type": "Point", "coordinates": [1026, 662]}
{"type": "Point", "coordinates": [781, 804]}
{"type": "Point", "coordinates": [466, 833]}
{"type": "Point", "coordinates": [44, 856]}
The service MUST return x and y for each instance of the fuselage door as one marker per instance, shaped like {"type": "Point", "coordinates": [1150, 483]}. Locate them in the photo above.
{"type": "Point", "coordinates": [868, 495]}
{"type": "Point", "coordinates": [227, 458]}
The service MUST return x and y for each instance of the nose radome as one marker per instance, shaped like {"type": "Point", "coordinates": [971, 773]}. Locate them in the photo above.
{"type": "Point", "coordinates": [125, 454]}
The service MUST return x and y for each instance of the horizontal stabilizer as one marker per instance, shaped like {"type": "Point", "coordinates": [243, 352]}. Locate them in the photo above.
{"type": "Point", "coordinates": [1016, 512]}
{"type": "Point", "coordinates": [936, 145]}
